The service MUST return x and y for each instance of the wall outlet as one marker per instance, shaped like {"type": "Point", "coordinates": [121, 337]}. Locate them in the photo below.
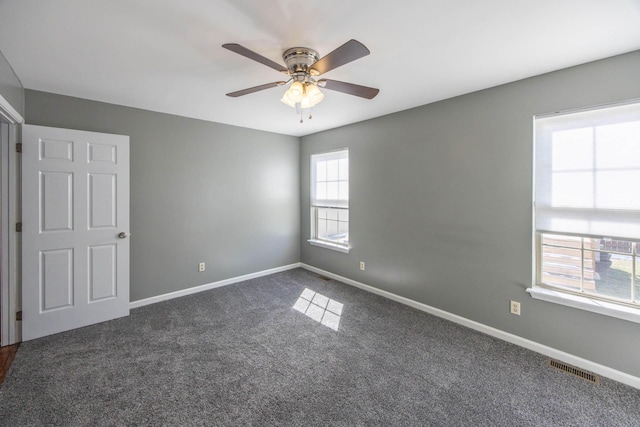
{"type": "Point", "coordinates": [201, 267]}
{"type": "Point", "coordinates": [361, 265]}
{"type": "Point", "coordinates": [514, 307]}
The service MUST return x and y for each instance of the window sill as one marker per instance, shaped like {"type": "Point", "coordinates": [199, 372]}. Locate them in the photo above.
{"type": "Point", "coordinates": [585, 303]}
{"type": "Point", "coordinates": [327, 245]}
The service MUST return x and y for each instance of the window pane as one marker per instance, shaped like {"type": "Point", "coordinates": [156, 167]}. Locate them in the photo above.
{"type": "Point", "coordinates": [322, 213]}
{"type": "Point", "coordinates": [332, 170]}
{"type": "Point", "coordinates": [612, 273]}
{"type": "Point", "coordinates": [618, 189]}
{"type": "Point", "coordinates": [561, 267]}
{"type": "Point", "coordinates": [321, 191]}
{"type": "Point", "coordinates": [343, 227]}
{"type": "Point", "coordinates": [332, 214]}
{"type": "Point", "coordinates": [321, 171]}
{"type": "Point", "coordinates": [572, 189]}
{"type": "Point", "coordinates": [618, 145]}
{"type": "Point", "coordinates": [559, 240]}
{"type": "Point", "coordinates": [344, 169]}
{"type": "Point", "coordinates": [322, 229]}
{"type": "Point", "coordinates": [343, 214]}
{"type": "Point", "coordinates": [343, 190]}
{"type": "Point", "coordinates": [572, 149]}
{"type": "Point", "coordinates": [332, 229]}
{"type": "Point", "coordinates": [332, 191]}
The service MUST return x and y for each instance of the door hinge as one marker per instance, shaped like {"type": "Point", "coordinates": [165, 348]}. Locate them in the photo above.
{"type": "Point", "coordinates": [19, 316]}
{"type": "Point", "coordinates": [19, 147]}
{"type": "Point", "coordinates": [18, 227]}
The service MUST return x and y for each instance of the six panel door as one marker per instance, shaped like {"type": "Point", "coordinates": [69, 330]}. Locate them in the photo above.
{"type": "Point", "coordinates": [75, 263]}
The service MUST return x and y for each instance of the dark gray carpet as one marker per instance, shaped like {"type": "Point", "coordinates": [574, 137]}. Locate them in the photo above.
{"type": "Point", "coordinates": [241, 355]}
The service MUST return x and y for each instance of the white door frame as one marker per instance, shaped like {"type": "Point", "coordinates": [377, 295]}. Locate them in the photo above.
{"type": "Point", "coordinates": [11, 304]}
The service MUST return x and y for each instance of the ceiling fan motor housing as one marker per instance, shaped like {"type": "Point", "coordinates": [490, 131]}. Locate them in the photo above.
{"type": "Point", "coordinates": [299, 60]}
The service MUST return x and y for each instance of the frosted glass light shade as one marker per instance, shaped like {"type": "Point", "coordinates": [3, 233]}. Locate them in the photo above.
{"type": "Point", "coordinates": [296, 92]}
{"type": "Point", "coordinates": [287, 100]}
{"type": "Point", "coordinates": [313, 95]}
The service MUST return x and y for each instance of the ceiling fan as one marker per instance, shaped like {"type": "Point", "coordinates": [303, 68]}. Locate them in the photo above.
{"type": "Point", "coordinates": [302, 66]}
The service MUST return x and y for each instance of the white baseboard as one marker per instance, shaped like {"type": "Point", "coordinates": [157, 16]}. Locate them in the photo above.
{"type": "Point", "coordinates": [594, 367]}
{"type": "Point", "coordinates": [207, 286]}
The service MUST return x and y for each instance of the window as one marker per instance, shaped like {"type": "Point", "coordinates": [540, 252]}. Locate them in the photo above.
{"type": "Point", "coordinates": [587, 204]}
{"type": "Point", "coordinates": [330, 200]}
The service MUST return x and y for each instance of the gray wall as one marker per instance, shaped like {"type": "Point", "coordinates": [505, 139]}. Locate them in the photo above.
{"type": "Point", "coordinates": [440, 201]}
{"type": "Point", "coordinates": [10, 86]}
{"type": "Point", "coordinates": [200, 191]}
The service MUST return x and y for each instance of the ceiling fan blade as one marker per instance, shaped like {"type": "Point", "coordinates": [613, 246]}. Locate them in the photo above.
{"type": "Point", "coordinates": [254, 89]}
{"type": "Point", "coordinates": [350, 51]}
{"type": "Point", "coordinates": [241, 50]}
{"type": "Point", "coordinates": [349, 88]}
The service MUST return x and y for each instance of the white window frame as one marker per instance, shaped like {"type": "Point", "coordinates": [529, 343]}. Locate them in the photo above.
{"type": "Point", "coordinates": [602, 304]}
{"type": "Point", "coordinates": [316, 204]}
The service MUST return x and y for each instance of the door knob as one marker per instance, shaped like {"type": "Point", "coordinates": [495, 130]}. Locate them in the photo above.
{"type": "Point", "coordinates": [122, 235]}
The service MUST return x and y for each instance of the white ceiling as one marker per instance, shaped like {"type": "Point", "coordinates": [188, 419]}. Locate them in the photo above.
{"type": "Point", "coordinates": [166, 55]}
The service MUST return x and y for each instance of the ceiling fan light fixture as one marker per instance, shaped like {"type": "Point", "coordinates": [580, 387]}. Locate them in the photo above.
{"type": "Point", "coordinates": [311, 95]}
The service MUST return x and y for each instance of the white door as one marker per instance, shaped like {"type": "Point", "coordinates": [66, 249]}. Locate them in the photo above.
{"type": "Point", "coordinates": [75, 226]}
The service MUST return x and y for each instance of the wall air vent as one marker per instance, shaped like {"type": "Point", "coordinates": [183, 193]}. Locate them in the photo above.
{"type": "Point", "coordinates": [581, 373]}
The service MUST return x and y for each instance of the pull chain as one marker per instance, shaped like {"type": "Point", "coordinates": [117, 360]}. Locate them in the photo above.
{"type": "Point", "coordinates": [301, 114]}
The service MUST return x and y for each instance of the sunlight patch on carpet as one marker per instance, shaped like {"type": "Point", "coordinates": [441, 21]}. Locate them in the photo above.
{"type": "Point", "coordinates": [320, 308]}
